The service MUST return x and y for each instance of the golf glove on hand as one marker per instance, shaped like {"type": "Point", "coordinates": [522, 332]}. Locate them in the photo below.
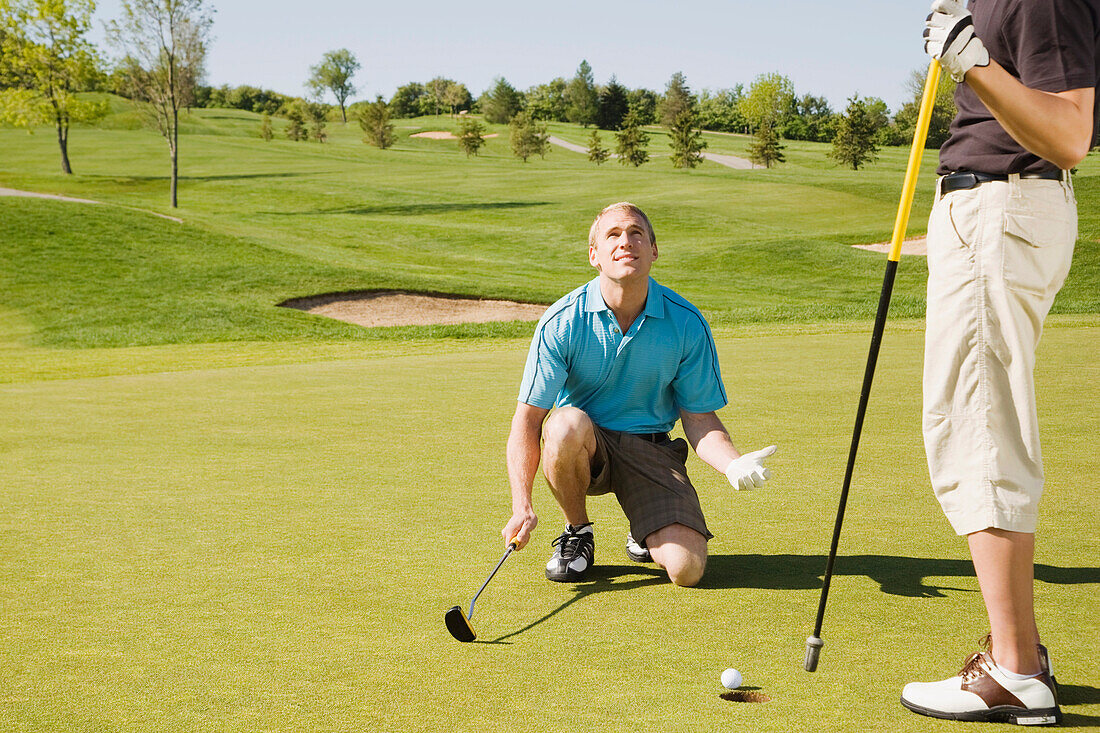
{"type": "Point", "coordinates": [748, 471]}
{"type": "Point", "coordinates": [949, 38]}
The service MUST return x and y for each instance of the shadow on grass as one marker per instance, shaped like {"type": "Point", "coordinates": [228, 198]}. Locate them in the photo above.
{"type": "Point", "coordinates": [601, 579]}
{"type": "Point", "coordinates": [900, 576]}
{"type": "Point", "coordinates": [415, 209]}
{"type": "Point", "coordinates": [1078, 695]}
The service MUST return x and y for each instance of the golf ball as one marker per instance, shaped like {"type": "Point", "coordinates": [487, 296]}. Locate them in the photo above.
{"type": "Point", "coordinates": [731, 679]}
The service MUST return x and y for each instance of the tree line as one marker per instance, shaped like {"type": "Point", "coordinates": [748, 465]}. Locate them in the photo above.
{"type": "Point", "coordinates": [46, 61]}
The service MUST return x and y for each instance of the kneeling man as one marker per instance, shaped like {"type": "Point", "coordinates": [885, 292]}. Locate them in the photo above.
{"type": "Point", "coordinates": [618, 360]}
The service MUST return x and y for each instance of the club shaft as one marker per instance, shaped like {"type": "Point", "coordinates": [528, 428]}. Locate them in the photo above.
{"type": "Point", "coordinates": [507, 552]}
{"type": "Point", "coordinates": [864, 397]}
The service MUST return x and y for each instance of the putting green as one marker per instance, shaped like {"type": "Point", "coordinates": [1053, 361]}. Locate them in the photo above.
{"type": "Point", "coordinates": [238, 537]}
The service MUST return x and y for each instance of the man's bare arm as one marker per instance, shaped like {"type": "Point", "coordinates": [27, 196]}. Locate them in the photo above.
{"type": "Point", "coordinates": [523, 453]}
{"type": "Point", "coordinates": [1056, 126]}
{"type": "Point", "coordinates": [709, 439]}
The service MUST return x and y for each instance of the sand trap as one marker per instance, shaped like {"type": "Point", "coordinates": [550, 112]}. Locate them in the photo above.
{"type": "Point", "coordinates": [403, 308]}
{"type": "Point", "coordinates": [912, 246]}
{"type": "Point", "coordinates": [442, 135]}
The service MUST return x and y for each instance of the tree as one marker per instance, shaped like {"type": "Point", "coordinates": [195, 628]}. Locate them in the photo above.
{"type": "Point", "coordinates": [406, 100]}
{"type": "Point", "coordinates": [547, 101]}
{"type": "Point", "coordinates": [581, 96]}
{"type": "Point", "coordinates": [855, 141]}
{"type": "Point", "coordinates": [437, 90]}
{"type": "Point", "coordinates": [501, 103]}
{"type": "Point", "coordinates": [296, 122]}
{"type": "Point", "coordinates": [632, 142]}
{"type": "Point", "coordinates": [165, 46]}
{"type": "Point", "coordinates": [612, 106]}
{"type": "Point", "coordinates": [905, 121]}
{"type": "Point", "coordinates": [374, 118]}
{"type": "Point", "coordinates": [722, 110]}
{"type": "Point", "coordinates": [457, 97]}
{"type": "Point", "coordinates": [528, 137]}
{"type": "Point", "coordinates": [768, 100]}
{"type": "Point", "coordinates": [765, 149]}
{"type": "Point", "coordinates": [686, 141]}
{"type": "Point", "coordinates": [334, 75]}
{"type": "Point", "coordinates": [315, 113]}
{"type": "Point", "coordinates": [470, 135]}
{"type": "Point", "coordinates": [678, 97]}
{"type": "Point", "coordinates": [265, 127]}
{"type": "Point", "coordinates": [811, 118]}
{"type": "Point", "coordinates": [44, 54]}
{"type": "Point", "coordinates": [643, 103]}
{"type": "Point", "coordinates": [597, 153]}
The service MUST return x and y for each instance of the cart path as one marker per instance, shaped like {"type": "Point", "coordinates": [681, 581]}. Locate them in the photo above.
{"type": "Point", "coordinates": [58, 197]}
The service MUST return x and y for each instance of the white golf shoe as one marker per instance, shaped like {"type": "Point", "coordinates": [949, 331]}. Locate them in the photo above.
{"type": "Point", "coordinates": [982, 693]}
{"type": "Point", "coordinates": [573, 556]}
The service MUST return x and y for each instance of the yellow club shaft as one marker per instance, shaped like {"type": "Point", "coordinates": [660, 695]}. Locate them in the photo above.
{"type": "Point", "coordinates": [928, 99]}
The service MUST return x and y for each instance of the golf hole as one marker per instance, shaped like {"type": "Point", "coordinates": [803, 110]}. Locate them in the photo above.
{"type": "Point", "coordinates": [745, 696]}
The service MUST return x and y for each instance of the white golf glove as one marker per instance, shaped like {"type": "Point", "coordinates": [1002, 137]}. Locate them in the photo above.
{"type": "Point", "coordinates": [949, 38]}
{"type": "Point", "coordinates": [748, 471]}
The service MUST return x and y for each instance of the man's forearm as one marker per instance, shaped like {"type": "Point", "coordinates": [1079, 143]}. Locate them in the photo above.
{"type": "Point", "coordinates": [523, 462]}
{"type": "Point", "coordinates": [1055, 126]}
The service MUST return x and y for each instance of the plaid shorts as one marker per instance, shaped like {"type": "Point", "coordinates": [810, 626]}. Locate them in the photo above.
{"type": "Point", "coordinates": [649, 480]}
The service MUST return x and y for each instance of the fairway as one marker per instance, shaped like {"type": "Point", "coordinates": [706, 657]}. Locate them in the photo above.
{"type": "Point", "coordinates": [221, 515]}
{"type": "Point", "coordinates": [273, 547]}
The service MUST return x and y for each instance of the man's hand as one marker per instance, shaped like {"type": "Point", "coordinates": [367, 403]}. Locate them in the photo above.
{"type": "Point", "coordinates": [520, 527]}
{"type": "Point", "coordinates": [949, 38]}
{"type": "Point", "coordinates": [748, 471]}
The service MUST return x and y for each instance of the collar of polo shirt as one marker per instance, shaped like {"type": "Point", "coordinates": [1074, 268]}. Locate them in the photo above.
{"type": "Point", "coordinates": [654, 303]}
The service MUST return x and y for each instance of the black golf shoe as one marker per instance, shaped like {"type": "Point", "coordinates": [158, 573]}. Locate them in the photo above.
{"type": "Point", "coordinates": [573, 556]}
{"type": "Point", "coordinates": [637, 551]}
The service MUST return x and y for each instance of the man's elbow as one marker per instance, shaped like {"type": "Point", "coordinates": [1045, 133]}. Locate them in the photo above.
{"type": "Point", "coordinates": [1071, 154]}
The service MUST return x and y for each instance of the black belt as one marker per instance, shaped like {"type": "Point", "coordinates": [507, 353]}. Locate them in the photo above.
{"type": "Point", "coordinates": [965, 180]}
{"type": "Point", "coordinates": [653, 437]}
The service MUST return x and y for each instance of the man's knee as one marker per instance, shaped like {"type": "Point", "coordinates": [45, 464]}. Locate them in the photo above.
{"type": "Point", "coordinates": [681, 551]}
{"type": "Point", "coordinates": [567, 430]}
{"type": "Point", "coordinates": [686, 570]}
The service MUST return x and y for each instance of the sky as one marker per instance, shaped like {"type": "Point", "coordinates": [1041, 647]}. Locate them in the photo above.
{"type": "Point", "coordinates": [826, 49]}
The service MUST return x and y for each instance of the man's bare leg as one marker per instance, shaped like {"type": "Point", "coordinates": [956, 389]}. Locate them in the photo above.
{"type": "Point", "coordinates": [569, 444]}
{"type": "Point", "coordinates": [1005, 564]}
{"type": "Point", "coordinates": [681, 551]}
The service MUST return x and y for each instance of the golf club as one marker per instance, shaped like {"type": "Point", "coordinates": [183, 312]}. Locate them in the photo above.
{"type": "Point", "coordinates": [458, 622]}
{"type": "Point", "coordinates": [928, 99]}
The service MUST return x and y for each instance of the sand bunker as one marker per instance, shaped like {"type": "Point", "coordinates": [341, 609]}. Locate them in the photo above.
{"type": "Point", "coordinates": [442, 135]}
{"type": "Point", "coordinates": [403, 308]}
{"type": "Point", "coordinates": [912, 246]}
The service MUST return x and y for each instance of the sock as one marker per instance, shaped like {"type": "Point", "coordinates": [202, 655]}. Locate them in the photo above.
{"type": "Point", "coordinates": [1018, 677]}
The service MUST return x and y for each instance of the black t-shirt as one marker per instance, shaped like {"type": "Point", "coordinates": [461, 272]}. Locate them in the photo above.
{"type": "Point", "coordinates": [1049, 45]}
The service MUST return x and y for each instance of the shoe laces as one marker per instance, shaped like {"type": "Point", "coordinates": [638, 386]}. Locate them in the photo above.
{"type": "Point", "coordinates": [570, 541]}
{"type": "Point", "coordinates": [974, 666]}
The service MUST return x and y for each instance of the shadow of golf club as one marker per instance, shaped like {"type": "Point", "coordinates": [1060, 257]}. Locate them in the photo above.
{"type": "Point", "coordinates": [900, 576]}
{"type": "Point", "coordinates": [600, 580]}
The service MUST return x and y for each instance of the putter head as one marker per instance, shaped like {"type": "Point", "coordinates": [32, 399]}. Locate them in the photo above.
{"type": "Point", "coordinates": [813, 651]}
{"type": "Point", "coordinates": [459, 625]}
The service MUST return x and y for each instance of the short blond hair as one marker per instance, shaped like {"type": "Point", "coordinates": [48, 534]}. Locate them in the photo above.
{"type": "Point", "coordinates": [621, 206]}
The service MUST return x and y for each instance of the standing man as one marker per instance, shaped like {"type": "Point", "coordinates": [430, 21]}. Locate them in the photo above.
{"type": "Point", "coordinates": [619, 360]}
{"type": "Point", "coordinates": [1000, 241]}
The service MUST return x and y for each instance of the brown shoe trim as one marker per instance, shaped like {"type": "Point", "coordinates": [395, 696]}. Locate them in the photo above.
{"type": "Point", "coordinates": [991, 692]}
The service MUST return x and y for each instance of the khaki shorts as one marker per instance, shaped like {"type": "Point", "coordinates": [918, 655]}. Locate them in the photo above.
{"type": "Point", "coordinates": [997, 256]}
{"type": "Point", "coordinates": [649, 480]}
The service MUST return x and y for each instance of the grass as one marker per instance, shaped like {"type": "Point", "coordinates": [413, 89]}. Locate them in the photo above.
{"type": "Point", "coordinates": [221, 515]}
{"type": "Point", "coordinates": [293, 218]}
{"type": "Point", "coordinates": [272, 546]}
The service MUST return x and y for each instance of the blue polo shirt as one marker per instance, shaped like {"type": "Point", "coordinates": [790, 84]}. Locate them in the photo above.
{"type": "Point", "coordinates": [636, 382]}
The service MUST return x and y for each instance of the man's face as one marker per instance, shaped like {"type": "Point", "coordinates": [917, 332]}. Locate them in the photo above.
{"type": "Point", "coordinates": [622, 249]}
